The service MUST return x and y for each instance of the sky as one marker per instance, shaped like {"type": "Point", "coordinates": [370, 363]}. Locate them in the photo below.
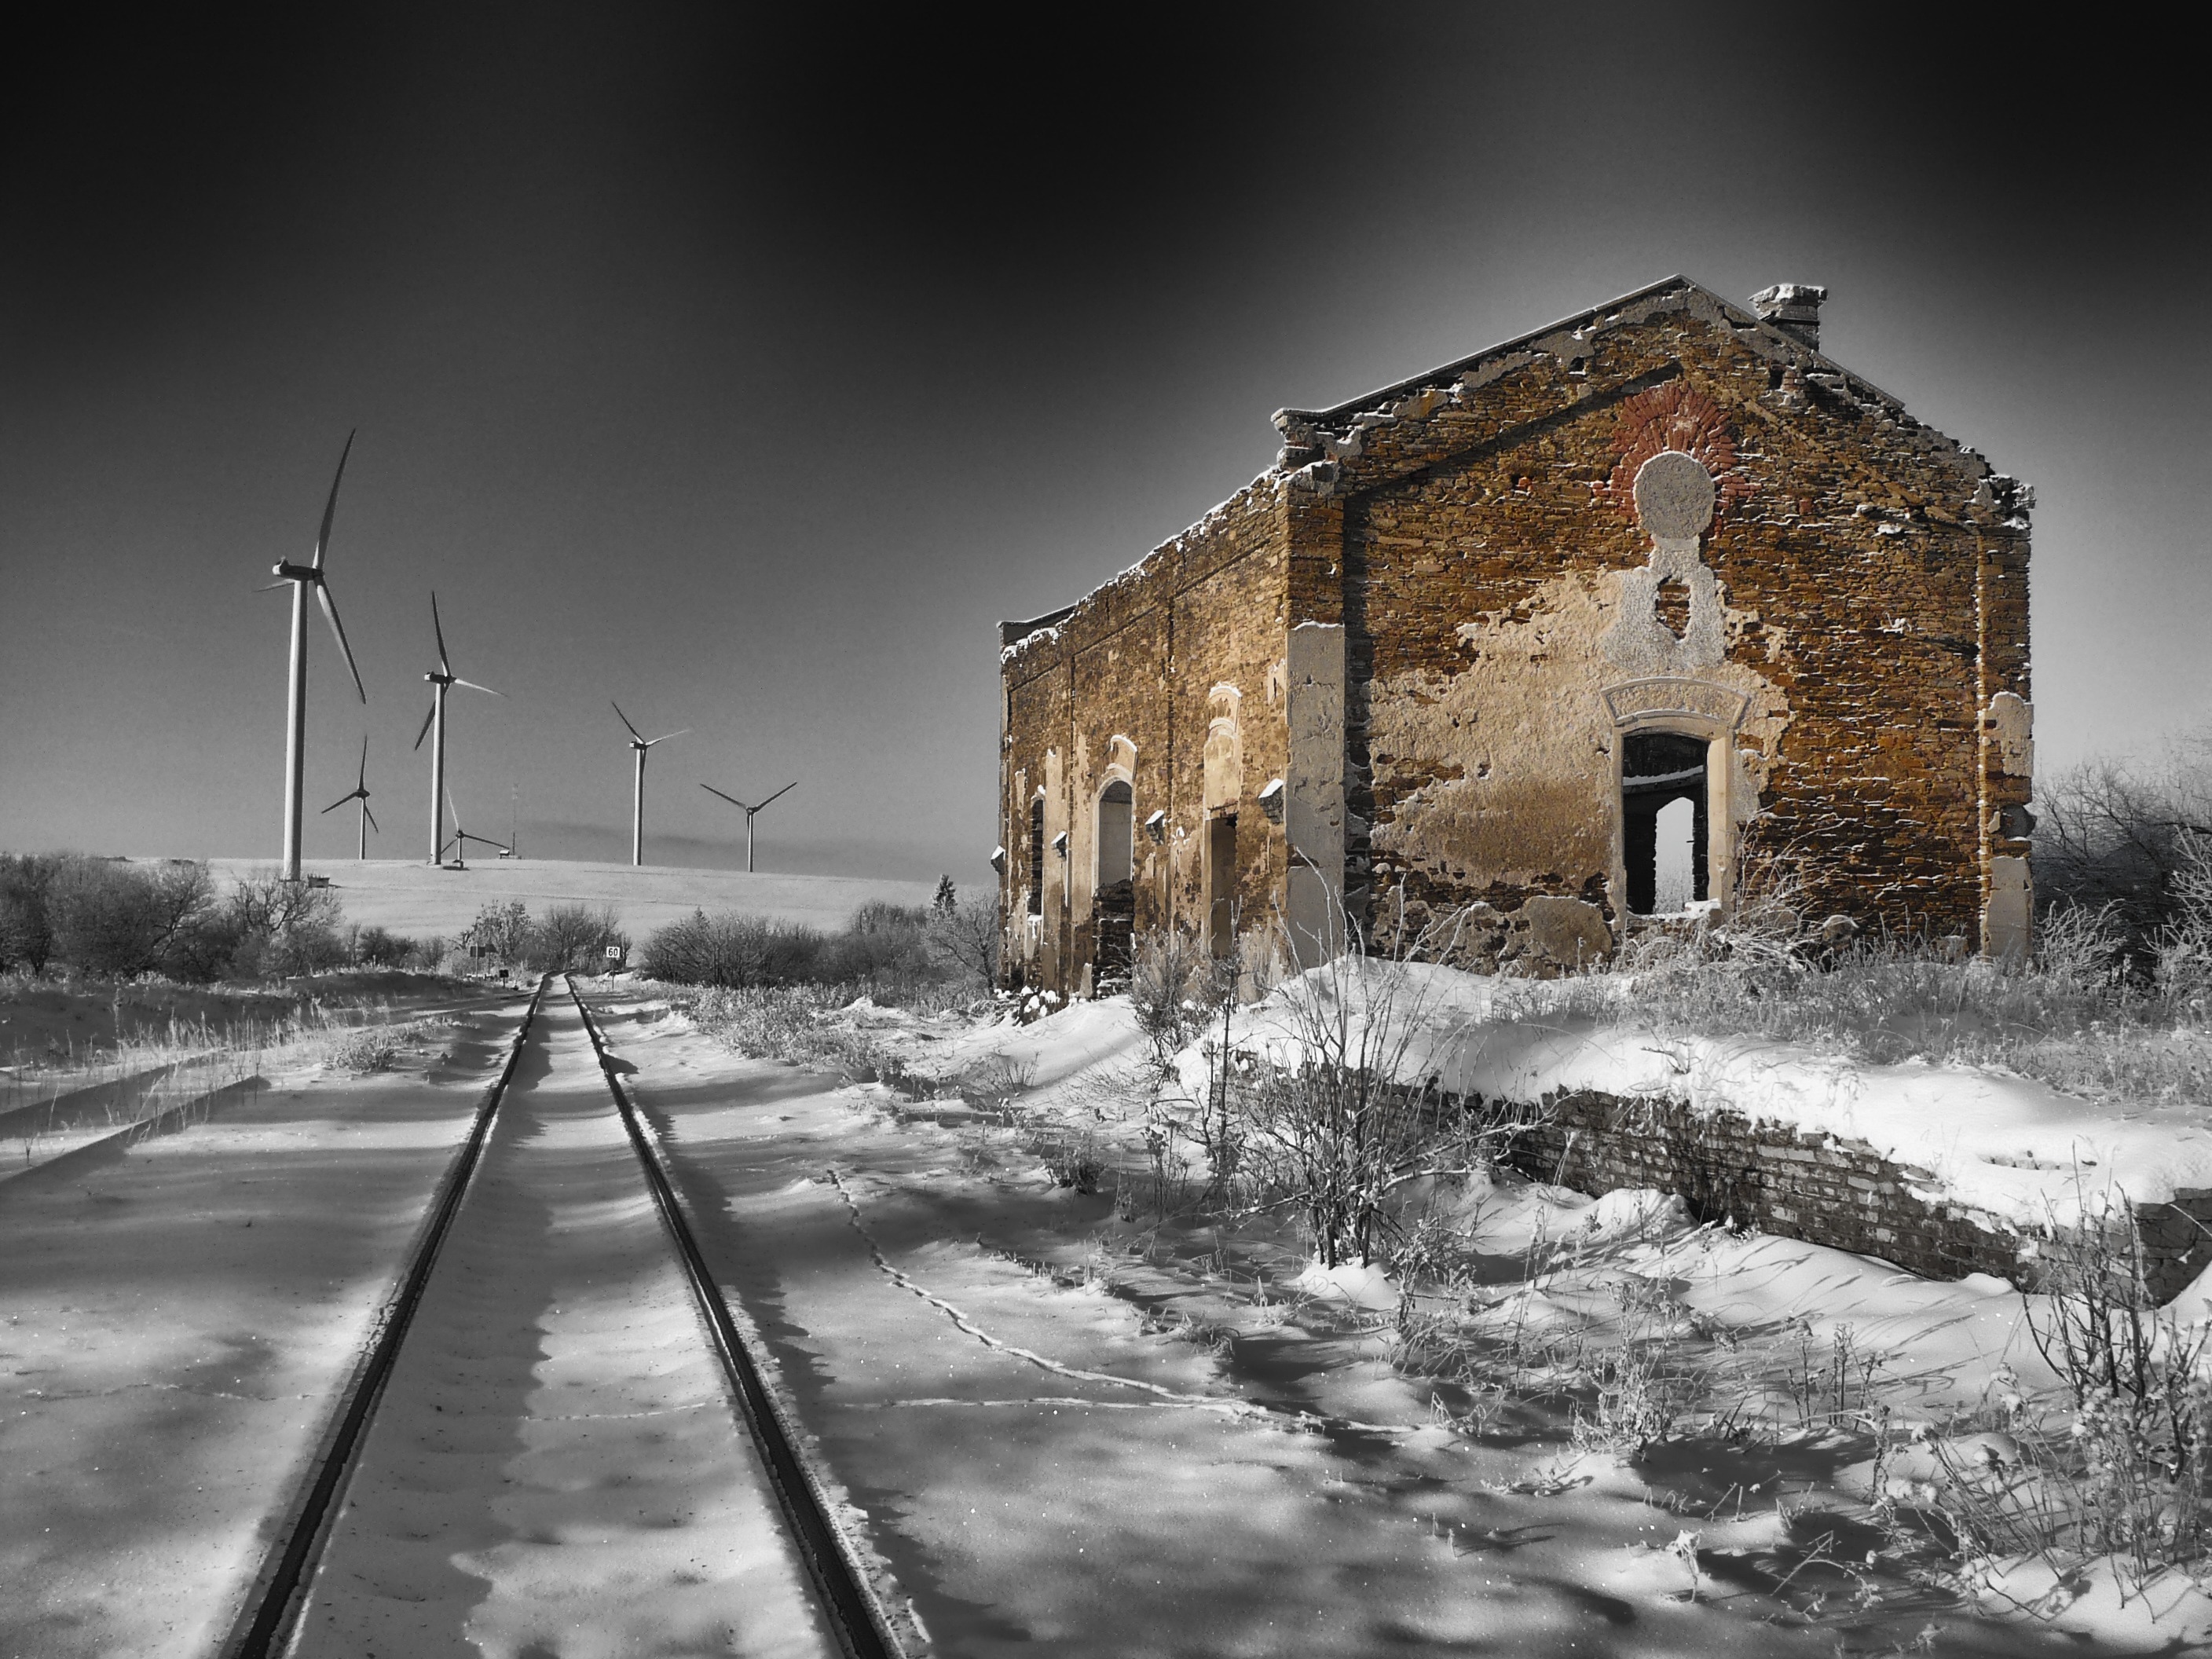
{"type": "Point", "coordinates": [746, 366]}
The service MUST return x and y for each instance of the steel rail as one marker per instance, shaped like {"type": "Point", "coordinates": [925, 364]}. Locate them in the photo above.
{"type": "Point", "coordinates": [848, 1602]}
{"type": "Point", "coordinates": [271, 1605]}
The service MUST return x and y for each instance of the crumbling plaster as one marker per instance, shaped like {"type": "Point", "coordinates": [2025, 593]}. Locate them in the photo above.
{"type": "Point", "coordinates": [1513, 763]}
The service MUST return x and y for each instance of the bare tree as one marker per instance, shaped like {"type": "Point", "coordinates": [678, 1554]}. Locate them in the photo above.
{"type": "Point", "coordinates": [965, 933]}
{"type": "Point", "coordinates": [2127, 834]}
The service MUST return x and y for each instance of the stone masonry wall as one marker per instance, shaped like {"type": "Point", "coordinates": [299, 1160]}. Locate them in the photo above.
{"type": "Point", "coordinates": [1838, 1193]}
{"type": "Point", "coordinates": [1846, 629]}
{"type": "Point", "coordinates": [1132, 682]}
{"type": "Point", "coordinates": [1484, 544]}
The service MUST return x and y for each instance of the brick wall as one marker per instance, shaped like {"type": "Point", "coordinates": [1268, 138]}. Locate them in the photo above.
{"type": "Point", "coordinates": [1142, 660]}
{"type": "Point", "coordinates": [1839, 1193]}
{"type": "Point", "coordinates": [1855, 653]}
{"type": "Point", "coordinates": [1853, 555]}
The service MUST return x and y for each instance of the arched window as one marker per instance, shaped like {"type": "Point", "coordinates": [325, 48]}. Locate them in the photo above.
{"type": "Point", "coordinates": [1036, 854]}
{"type": "Point", "coordinates": [1662, 821]}
{"type": "Point", "coordinates": [1113, 898]}
{"type": "Point", "coordinates": [1116, 819]}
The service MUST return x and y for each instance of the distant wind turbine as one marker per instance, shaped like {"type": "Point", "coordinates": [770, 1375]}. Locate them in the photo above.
{"type": "Point", "coordinates": [361, 795]}
{"type": "Point", "coordinates": [462, 837]}
{"type": "Point", "coordinates": [639, 743]}
{"type": "Point", "coordinates": [443, 681]}
{"type": "Point", "coordinates": [303, 577]}
{"type": "Point", "coordinates": [749, 812]}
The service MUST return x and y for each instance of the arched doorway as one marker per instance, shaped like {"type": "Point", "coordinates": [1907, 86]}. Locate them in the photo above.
{"type": "Point", "coordinates": [1665, 834]}
{"type": "Point", "coordinates": [1114, 892]}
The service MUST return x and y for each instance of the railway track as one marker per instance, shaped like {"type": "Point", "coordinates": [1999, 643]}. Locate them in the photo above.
{"type": "Point", "coordinates": [559, 1440]}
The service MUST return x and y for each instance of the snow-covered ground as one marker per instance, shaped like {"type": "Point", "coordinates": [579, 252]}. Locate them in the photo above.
{"type": "Point", "coordinates": [1077, 1421]}
{"type": "Point", "coordinates": [178, 1315]}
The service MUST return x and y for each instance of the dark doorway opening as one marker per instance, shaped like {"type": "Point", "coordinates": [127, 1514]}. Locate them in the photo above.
{"type": "Point", "coordinates": [1114, 905]}
{"type": "Point", "coordinates": [1036, 856]}
{"type": "Point", "coordinates": [1221, 884]}
{"type": "Point", "coordinates": [1663, 828]}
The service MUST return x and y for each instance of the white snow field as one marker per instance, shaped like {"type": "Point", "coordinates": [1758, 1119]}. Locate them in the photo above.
{"type": "Point", "coordinates": [1079, 1428]}
{"type": "Point", "coordinates": [1057, 1421]}
{"type": "Point", "coordinates": [416, 900]}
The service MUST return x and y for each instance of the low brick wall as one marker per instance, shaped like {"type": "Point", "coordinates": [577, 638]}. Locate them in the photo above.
{"type": "Point", "coordinates": [1839, 1193]}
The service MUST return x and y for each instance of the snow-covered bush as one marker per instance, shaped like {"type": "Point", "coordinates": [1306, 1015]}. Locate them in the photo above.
{"type": "Point", "coordinates": [780, 1022]}
{"type": "Point", "coordinates": [1326, 1118]}
{"type": "Point", "coordinates": [1175, 987]}
{"type": "Point", "coordinates": [2120, 1467]}
{"type": "Point", "coordinates": [373, 1048]}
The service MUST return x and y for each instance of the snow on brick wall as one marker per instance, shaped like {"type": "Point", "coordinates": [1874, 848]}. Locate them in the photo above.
{"type": "Point", "coordinates": [1843, 1194]}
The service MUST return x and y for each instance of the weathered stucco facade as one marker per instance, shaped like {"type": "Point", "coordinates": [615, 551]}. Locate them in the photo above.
{"type": "Point", "coordinates": [1494, 644]}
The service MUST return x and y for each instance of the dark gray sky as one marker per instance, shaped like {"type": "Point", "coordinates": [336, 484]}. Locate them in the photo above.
{"type": "Point", "coordinates": [747, 366]}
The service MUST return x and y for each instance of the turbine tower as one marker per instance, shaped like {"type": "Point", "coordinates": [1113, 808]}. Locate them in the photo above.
{"type": "Point", "coordinates": [361, 795]}
{"type": "Point", "coordinates": [303, 577]}
{"type": "Point", "coordinates": [442, 682]}
{"type": "Point", "coordinates": [639, 743]}
{"type": "Point", "coordinates": [749, 812]}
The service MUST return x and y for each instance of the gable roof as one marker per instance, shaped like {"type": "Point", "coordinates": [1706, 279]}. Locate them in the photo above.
{"type": "Point", "coordinates": [1637, 303]}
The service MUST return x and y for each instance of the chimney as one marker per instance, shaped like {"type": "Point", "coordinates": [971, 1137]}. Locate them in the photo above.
{"type": "Point", "coordinates": [1793, 308]}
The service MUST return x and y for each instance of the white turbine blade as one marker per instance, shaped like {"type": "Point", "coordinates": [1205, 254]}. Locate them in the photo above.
{"type": "Point", "coordinates": [624, 719]}
{"type": "Point", "coordinates": [473, 686]}
{"type": "Point", "coordinates": [331, 610]}
{"type": "Point", "coordinates": [429, 714]}
{"type": "Point", "coordinates": [444, 666]}
{"type": "Point", "coordinates": [273, 587]}
{"type": "Point", "coordinates": [339, 802]}
{"type": "Point", "coordinates": [364, 763]}
{"type": "Point", "coordinates": [665, 736]}
{"type": "Point", "coordinates": [733, 800]}
{"type": "Point", "coordinates": [786, 790]}
{"type": "Point", "coordinates": [330, 507]}
{"type": "Point", "coordinates": [371, 817]}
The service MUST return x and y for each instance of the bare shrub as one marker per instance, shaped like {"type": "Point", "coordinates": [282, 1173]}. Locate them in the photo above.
{"type": "Point", "coordinates": [275, 926]}
{"type": "Point", "coordinates": [2123, 1470]}
{"type": "Point", "coordinates": [378, 948]}
{"type": "Point", "coordinates": [1072, 1157]}
{"type": "Point", "coordinates": [372, 1047]}
{"type": "Point", "coordinates": [109, 917]}
{"type": "Point", "coordinates": [26, 932]}
{"type": "Point", "coordinates": [780, 1022]}
{"type": "Point", "coordinates": [573, 938]}
{"type": "Point", "coordinates": [731, 951]}
{"type": "Point", "coordinates": [965, 934]}
{"type": "Point", "coordinates": [1174, 988]}
{"type": "Point", "coordinates": [1337, 1127]}
{"type": "Point", "coordinates": [2120, 834]}
{"type": "Point", "coordinates": [994, 1083]}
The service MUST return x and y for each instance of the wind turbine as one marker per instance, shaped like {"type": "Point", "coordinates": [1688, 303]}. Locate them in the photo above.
{"type": "Point", "coordinates": [303, 577]}
{"type": "Point", "coordinates": [749, 812]}
{"type": "Point", "coordinates": [639, 743]}
{"type": "Point", "coordinates": [462, 837]}
{"type": "Point", "coordinates": [443, 681]}
{"type": "Point", "coordinates": [361, 795]}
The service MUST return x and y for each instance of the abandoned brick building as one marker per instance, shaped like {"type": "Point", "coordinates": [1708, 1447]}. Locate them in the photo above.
{"type": "Point", "coordinates": [1545, 640]}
